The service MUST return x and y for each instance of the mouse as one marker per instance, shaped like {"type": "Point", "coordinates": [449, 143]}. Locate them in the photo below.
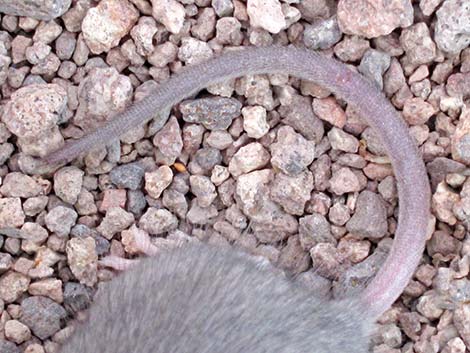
{"type": "Point", "coordinates": [216, 299]}
{"type": "Point", "coordinates": [198, 298]}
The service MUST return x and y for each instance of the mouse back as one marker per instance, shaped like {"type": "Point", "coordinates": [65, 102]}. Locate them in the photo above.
{"type": "Point", "coordinates": [202, 298]}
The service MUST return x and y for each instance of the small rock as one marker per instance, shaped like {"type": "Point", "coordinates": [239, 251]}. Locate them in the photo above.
{"type": "Point", "coordinates": [16, 331]}
{"type": "Point", "coordinates": [193, 51]}
{"type": "Point", "coordinates": [203, 189]}
{"type": "Point", "coordinates": [452, 31]}
{"type": "Point", "coordinates": [344, 181]}
{"type": "Point", "coordinates": [201, 216]}
{"type": "Point", "coordinates": [214, 113]}
{"type": "Point", "coordinates": [168, 140]}
{"type": "Point", "coordinates": [428, 305]}
{"type": "Point", "coordinates": [418, 44]}
{"type": "Point", "coordinates": [37, 9]}
{"type": "Point", "coordinates": [42, 315]}
{"type": "Point", "coordinates": [248, 158]}
{"type": "Point", "coordinates": [461, 139]}
{"type": "Point", "coordinates": [222, 7]}
{"type": "Point", "coordinates": [351, 48]}
{"type": "Point", "coordinates": [157, 181]}
{"type": "Point", "coordinates": [143, 33]}
{"type": "Point", "coordinates": [219, 175]}
{"type": "Point", "coordinates": [314, 229]}
{"type": "Point", "coordinates": [20, 185]}
{"type": "Point", "coordinates": [293, 258]}
{"type": "Point", "coordinates": [370, 217]}
{"type": "Point", "coordinates": [254, 121]}
{"type": "Point", "coordinates": [113, 198]}
{"type": "Point", "coordinates": [170, 13]}
{"type": "Point", "coordinates": [458, 85]}
{"type": "Point", "coordinates": [343, 141]}
{"type": "Point", "coordinates": [462, 321]}
{"type": "Point", "coordinates": [208, 157]}
{"type": "Point", "coordinates": [12, 286]}
{"type": "Point", "coordinates": [292, 192]}
{"type": "Point", "coordinates": [443, 201]}
{"type": "Point", "coordinates": [329, 110]}
{"type": "Point", "coordinates": [292, 153]}
{"type": "Point", "coordinates": [60, 220]}
{"type": "Point", "coordinates": [68, 183]}
{"type": "Point", "coordinates": [219, 139]}
{"type": "Point", "coordinates": [417, 112]}
{"type": "Point", "coordinates": [326, 260]}
{"type": "Point", "coordinates": [363, 18]}
{"type": "Point", "coordinates": [77, 297]}
{"type": "Point", "coordinates": [322, 34]}
{"type": "Point", "coordinates": [158, 221]}
{"type": "Point", "coordinates": [373, 65]}
{"type": "Point", "coordinates": [83, 259]}
{"type": "Point", "coordinates": [49, 287]}
{"type": "Point", "coordinates": [127, 176]}
{"type": "Point", "coordinates": [176, 202]}
{"type": "Point", "coordinates": [105, 25]}
{"type": "Point", "coordinates": [266, 14]}
{"type": "Point", "coordinates": [9, 347]}
{"type": "Point", "coordinates": [115, 221]}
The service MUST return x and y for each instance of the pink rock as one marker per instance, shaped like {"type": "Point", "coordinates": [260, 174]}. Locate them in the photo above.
{"type": "Point", "coordinates": [113, 198]}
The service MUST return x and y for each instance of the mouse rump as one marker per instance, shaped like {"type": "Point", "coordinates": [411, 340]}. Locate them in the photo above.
{"type": "Point", "coordinates": [202, 298]}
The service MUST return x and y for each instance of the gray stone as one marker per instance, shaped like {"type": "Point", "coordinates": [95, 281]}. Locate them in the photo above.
{"type": "Point", "coordinates": [373, 65]}
{"type": "Point", "coordinates": [127, 176]}
{"type": "Point", "coordinates": [39, 9]}
{"type": "Point", "coordinates": [42, 315]}
{"type": "Point", "coordinates": [77, 297]}
{"type": "Point", "coordinates": [452, 31]}
{"type": "Point", "coordinates": [370, 217]}
{"type": "Point", "coordinates": [322, 34]}
{"type": "Point", "coordinates": [9, 347]}
{"type": "Point", "coordinates": [214, 113]}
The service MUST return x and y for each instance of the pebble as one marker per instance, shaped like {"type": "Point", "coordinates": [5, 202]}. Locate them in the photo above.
{"type": "Point", "coordinates": [292, 153]}
{"type": "Point", "coordinates": [314, 229]}
{"type": "Point", "coordinates": [68, 183]}
{"type": "Point", "coordinates": [37, 53]}
{"type": "Point", "coordinates": [343, 181]}
{"type": "Point", "coordinates": [251, 184]}
{"type": "Point", "coordinates": [201, 216]}
{"type": "Point", "coordinates": [215, 113]}
{"type": "Point", "coordinates": [37, 9]}
{"type": "Point", "coordinates": [193, 51]}
{"type": "Point", "coordinates": [339, 214]}
{"type": "Point", "coordinates": [158, 180]}
{"type": "Point", "coordinates": [343, 141]}
{"type": "Point", "coordinates": [443, 201]}
{"type": "Point", "coordinates": [257, 90]}
{"type": "Point", "coordinates": [12, 286]}
{"type": "Point", "coordinates": [293, 258]}
{"type": "Point", "coordinates": [222, 7]}
{"type": "Point", "coordinates": [35, 124]}
{"type": "Point", "coordinates": [351, 48]}
{"type": "Point", "coordinates": [322, 34]}
{"type": "Point", "coordinates": [158, 221]}
{"type": "Point", "coordinates": [65, 45]}
{"type": "Point", "coordinates": [100, 94]}
{"type": "Point", "coordinates": [60, 220]}
{"type": "Point", "coordinates": [442, 243]}
{"type": "Point", "coordinates": [77, 297]}
{"type": "Point", "coordinates": [452, 30]}
{"type": "Point", "coordinates": [292, 192]}
{"type": "Point", "coordinates": [170, 13]}
{"type": "Point", "coordinates": [11, 212]}
{"type": "Point", "coordinates": [20, 185]}
{"type": "Point", "coordinates": [42, 315]}
{"type": "Point", "coordinates": [47, 32]}
{"type": "Point", "coordinates": [373, 65]}
{"type": "Point", "coordinates": [9, 347]}
{"type": "Point", "coordinates": [219, 139]}
{"type": "Point", "coordinates": [169, 140]}
{"type": "Point", "coordinates": [327, 261]}
{"type": "Point", "coordinates": [254, 121]}
{"type": "Point", "coordinates": [127, 176]}
{"type": "Point", "coordinates": [329, 110]}
{"type": "Point", "coordinates": [115, 221]}
{"type": "Point", "coordinates": [208, 157]}
{"type": "Point", "coordinates": [49, 287]}
{"type": "Point", "coordinates": [458, 85]}
{"type": "Point", "coordinates": [418, 45]}
{"type": "Point", "coordinates": [460, 140]}
{"type": "Point", "coordinates": [361, 18]}
{"type": "Point", "coordinates": [83, 259]}
{"type": "Point", "coordinates": [106, 24]}
{"type": "Point", "coordinates": [248, 158]}
{"type": "Point", "coordinates": [461, 320]}
{"type": "Point", "coordinates": [16, 331]}
{"type": "Point", "coordinates": [143, 33]}
{"type": "Point", "coordinates": [298, 113]}
{"type": "Point", "coordinates": [370, 217]}
{"type": "Point", "coordinates": [203, 189]}
{"type": "Point", "coordinates": [417, 111]}
{"type": "Point", "coordinates": [266, 14]}
{"type": "Point", "coordinates": [19, 45]}
{"type": "Point", "coordinates": [228, 31]}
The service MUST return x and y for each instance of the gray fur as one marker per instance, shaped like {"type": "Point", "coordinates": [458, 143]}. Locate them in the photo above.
{"type": "Point", "coordinates": [206, 299]}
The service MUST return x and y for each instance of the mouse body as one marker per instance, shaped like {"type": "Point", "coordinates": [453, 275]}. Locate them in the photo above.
{"type": "Point", "coordinates": [202, 298]}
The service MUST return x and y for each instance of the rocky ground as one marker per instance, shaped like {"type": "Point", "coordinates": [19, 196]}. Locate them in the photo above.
{"type": "Point", "coordinates": [273, 164]}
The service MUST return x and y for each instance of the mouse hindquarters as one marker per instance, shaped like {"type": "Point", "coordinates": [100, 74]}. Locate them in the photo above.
{"type": "Point", "coordinates": [207, 299]}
